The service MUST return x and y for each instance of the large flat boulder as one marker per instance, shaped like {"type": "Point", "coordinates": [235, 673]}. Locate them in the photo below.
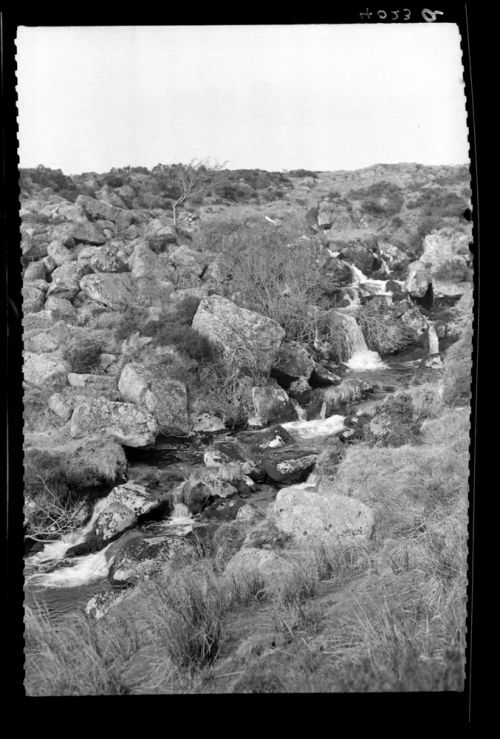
{"type": "Point", "coordinates": [125, 422]}
{"type": "Point", "coordinates": [243, 337]}
{"type": "Point", "coordinates": [305, 514]}
{"type": "Point", "coordinates": [163, 397]}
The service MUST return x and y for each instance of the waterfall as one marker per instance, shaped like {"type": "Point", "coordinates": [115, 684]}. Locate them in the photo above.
{"type": "Point", "coordinates": [83, 570]}
{"type": "Point", "coordinates": [301, 413]}
{"type": "Point", "coordinates": [54, 551]}
{"type": "Point", "coordinates": [433, 340]}
{"type": "Point", "coordinates": [357, 276]}
{"type": "Point", "coordinates": [360, 357]}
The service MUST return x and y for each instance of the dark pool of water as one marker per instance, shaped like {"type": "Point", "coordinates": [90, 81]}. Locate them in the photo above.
{"type": "Point", "coordinates": [59, 602]}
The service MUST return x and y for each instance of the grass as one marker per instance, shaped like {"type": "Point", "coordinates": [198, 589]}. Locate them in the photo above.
{"type": "Point", "coordinates": [387, 614]}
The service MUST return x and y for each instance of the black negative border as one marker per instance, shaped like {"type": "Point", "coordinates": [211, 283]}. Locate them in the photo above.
{"type": "Point", "coordinates": [323, 710]}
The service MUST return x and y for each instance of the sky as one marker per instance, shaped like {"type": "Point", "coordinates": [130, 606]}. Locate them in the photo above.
{"type": "Point", "coordinates": [275, 97]}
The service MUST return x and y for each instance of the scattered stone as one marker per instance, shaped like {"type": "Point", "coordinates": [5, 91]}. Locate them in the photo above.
{"type": "Point", "coordinates": [33, 299]}
{"type": "Point", "coordinates": [34, 271]}
{"type": "Point", "coordinates": [113, 290]}
{"type": "Point", "coordinates": [98, 209]}
{"type": "Point", "coordinates": [84, 380]}
{"type": "Point", "coordinates": [43, 370]}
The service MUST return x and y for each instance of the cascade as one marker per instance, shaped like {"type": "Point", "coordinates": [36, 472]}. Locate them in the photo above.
{"type": "Point", "coordinates": [357, 275]}
{"type": "Point", "coordinates": [301, 412]}
{"type": "Point", "coordinates": [360, 357]}
{"type": "Point", "coordinates": [433, 340]}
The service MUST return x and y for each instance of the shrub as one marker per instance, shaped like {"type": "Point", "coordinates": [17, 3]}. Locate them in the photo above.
{"type": "Point", "coordinates": [270, 271]}
{"type": "Point", "coordinates": [383, 329]}
{"type": "Point", "coordinates": [82, 354]}
{"type": "Point", "coordinates": [381, 198]}
{"type": "Point", "coordinates": [302, 173]}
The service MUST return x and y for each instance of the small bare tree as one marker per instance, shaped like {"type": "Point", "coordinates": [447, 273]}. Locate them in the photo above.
{"type": "Point", "coordinates": [194, 179]}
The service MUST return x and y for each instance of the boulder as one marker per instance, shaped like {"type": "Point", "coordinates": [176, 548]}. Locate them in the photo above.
{"type": "Point", "coordinates": [100, 604]}
{"type": "Point", "coordinates": [140, 556]}
{"type": "Point", "coordinates": [163, 397]}
{"type": "Point", "coordinates": [62, 405]}
{"type": "Point", "coordinates": [113, 290]}
{"type": "Point", "coordinates": [125, 422]}
{"type": "Point", "coordinates": [232, 456]}
{"type": "Point", "coordinates": [102, 382]}
{"type": "Point", "coordinates": [44, 370]}
{"type": "Point", "coordinates": [82, 232]}
{"type": "Point", "coordinates": [272, 405]}
{"type": "Point", "coordinates": [207, 423]}
{"type": "Point", "coordinates": [274, 437]}
{"type": "Point", "coordinates": [186, 258]}
{"type": "Point", "coordinates": [223, 510]}
{"type": "Point", "coordinates": [66, 279]}
{"type": "Point", "coordinates": [33, 299]}
{"type": "Point", "coordinates": [108, 259]}
{"type": "Point", "coordinates": [34, 271]}
{"type": "Point", "coordinates": [446, 253]}
{"type": "Point", "coordinates": [121, 509]}
{"type": "Point", "coordinates": [99, 209]}
{"type": "Point", "coordinates": [293, 361]}
{"type": "Point", "coordinates": [287, 466]}
{"type": "Point", "coordinates": [242, 336]}
{"type": "Point", "coordinates": [202, 486]}
{"type": "Point", "coordinates": [115, 518]}
{"type": "Point", "coordinates": [307, 515]}
{"type": "Point", "coordinates": [418, 280]}
{"type": "Point", "coordinates": [60, 307]}
{"type": "Point", "coordinates": [250, 514]}
{"type": "Point", "coordinates": [60, 253]}
{"type": "Point", "coordinates": [359, 255]}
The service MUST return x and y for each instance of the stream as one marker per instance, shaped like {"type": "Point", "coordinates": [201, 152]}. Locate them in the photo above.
{"type": "Point", "coordinates": [60, 585]}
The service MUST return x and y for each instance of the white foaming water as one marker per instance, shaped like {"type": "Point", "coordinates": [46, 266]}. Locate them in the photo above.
{"type": "Point", "coordinates": [358, 277]}
{"type": "Point", "coordinates": [181, 512]}
{"type": "Point", "coordinates": [54, 551]}
{"type": "Point", "coordinates": [84, 570]}
{"type": "Point", "coordinates": [433, 340]}
{"type": "Point", "coordinates": [301, 413]}
{"type": "Point", "coordinates": [312, 430]}
{"type": "Point", "coordinates": [360, 357]}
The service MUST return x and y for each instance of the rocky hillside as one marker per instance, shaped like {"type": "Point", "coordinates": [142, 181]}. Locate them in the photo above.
{"type": "Point", "coordinates": [280, 322]}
